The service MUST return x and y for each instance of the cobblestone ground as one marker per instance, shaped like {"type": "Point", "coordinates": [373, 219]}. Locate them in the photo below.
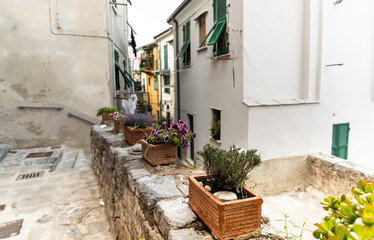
{"type": "Point", "coordinates": [62, 203]}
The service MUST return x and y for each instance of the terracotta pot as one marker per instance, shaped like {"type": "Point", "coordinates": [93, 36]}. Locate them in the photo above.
{"type": "Point", "coordinates": [118, 127]}
{"type": "Point", "coordinates": [105, 119]}
{"type": "Point", "coordinates": [159, 154]}
{"type": "Point", "coordinates": [135, 135]}
{"type": "Point", "coordinates": [226, 220]}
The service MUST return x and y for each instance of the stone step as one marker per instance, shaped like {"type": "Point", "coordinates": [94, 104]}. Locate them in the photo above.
{"type": "Point", "coordinates": [68, 159]}
{"type": "Point", "coordinates": [82, 160]}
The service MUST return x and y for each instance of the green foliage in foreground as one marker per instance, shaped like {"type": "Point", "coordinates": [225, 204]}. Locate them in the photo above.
{"type": "Point", "coordinates": [228, 169]}
{"type": "Point", "coordinates": [106, 110]}
{"type": "Point", "coordinates": [349, 217]}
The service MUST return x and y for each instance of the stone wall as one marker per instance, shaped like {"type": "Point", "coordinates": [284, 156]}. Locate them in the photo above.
{"type": "Point", "coordinates": [146, 202]}
{"type": "Point", "coordinates": [334, 175]}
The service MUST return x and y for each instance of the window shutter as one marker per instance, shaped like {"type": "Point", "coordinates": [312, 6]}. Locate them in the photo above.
{"type": "Point", "coordinates": [343, 140]}
{"type": "Point", "coordinates": [340, 138]}
{"type": "Point", "coordinates": [155, 82]}
{"type": "Point", "coordinates": [221, 10]}
{"type": "Point", "coordinates": [166, 57]}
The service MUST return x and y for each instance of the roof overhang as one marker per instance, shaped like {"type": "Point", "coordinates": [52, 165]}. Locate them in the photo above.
{"type": "Point", "coordinates": [178, 10]}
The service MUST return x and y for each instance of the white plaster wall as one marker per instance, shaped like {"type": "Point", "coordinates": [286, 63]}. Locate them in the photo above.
{"type": "Point", "coordinates": [58, 52]}
{"type": "Point", "coordinates": [343, 33]}
{"type": "Point", "coordinates": [169, 99]}
{"type": "Point", "coordinates": [210, 83]}
{"type": "Point", "coordinates": [41, 62]}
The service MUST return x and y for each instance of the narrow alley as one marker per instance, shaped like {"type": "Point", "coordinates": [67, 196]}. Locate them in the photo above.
{"type": "Point", "coordinates": [50, 193]}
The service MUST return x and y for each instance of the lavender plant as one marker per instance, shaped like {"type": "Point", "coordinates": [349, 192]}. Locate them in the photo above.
{"type": "Point", "coordinates": [137, 120]}
{"type": "Point", "coordinates": [177, 134]}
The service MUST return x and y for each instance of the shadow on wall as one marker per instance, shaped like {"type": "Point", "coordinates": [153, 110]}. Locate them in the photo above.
{"type": "Point", "coordinates": [43, 126]}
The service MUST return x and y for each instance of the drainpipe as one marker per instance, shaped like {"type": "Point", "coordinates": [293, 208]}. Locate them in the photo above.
{"type": "Point", "coordinates": [161, 75]}
{"type": "Point", "coordinates": [177, 70]}
{"type": "Point", "coordinates": [178, 87]}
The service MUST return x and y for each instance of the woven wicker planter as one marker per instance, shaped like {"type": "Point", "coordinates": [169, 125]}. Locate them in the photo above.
{"type": "Point", "coordinates": [135, 135]}
{"type": "Point", "coordinates": [118, 127]}
{"type": "Point", "coordinates": [105, 119]}
{"type": "Point", "coordinates": [159, 154]}
{"type": "Point", "coordinates": [225, 219]}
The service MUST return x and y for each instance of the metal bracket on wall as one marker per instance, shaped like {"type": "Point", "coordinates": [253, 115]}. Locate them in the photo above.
{"type": "Point", "coordinates": [335, 65]}
{"type": "Point", "coordinates": [36, 107]}
{"type": "Point", "coordinates": [80, 118]}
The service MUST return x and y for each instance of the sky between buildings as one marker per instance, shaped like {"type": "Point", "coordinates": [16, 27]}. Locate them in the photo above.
{"type": "Point", "coordinates": [148, 18]}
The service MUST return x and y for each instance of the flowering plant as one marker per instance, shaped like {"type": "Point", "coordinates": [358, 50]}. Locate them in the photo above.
{"type": "Point", "coordinates": [141, 120]}
{"type": "Point", "coordinates": [115, 116]}
{"type": "Point", "coordinates": [177, 134]}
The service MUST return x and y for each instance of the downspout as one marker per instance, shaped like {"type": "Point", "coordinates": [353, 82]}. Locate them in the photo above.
{"type": "Point", "coordinates": [177, 70]}
{"type": "Point", "coordinates": [178, 86]}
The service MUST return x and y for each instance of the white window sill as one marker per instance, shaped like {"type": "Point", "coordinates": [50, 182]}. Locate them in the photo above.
{"type": "Point", "coordinates": [215, 141]}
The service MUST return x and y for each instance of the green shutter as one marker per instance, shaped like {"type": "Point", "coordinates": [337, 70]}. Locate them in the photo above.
{"type": "Point", "coordinates": [155, 82]}
{"type": "Point", "coordinates": [206, 37]}
{"type": "Point", "coordinates": [183, 50]}
{"type": "Point", "coordinates": [166, 57]}
{"type": "Point", "coordinates": [221, 10]}
{"type": "Point", "coordinates": [220, 26]}
{"type": "Point", "coordinates": [116, 56]}
{"type": "Point", "coordinates": [340, 138]}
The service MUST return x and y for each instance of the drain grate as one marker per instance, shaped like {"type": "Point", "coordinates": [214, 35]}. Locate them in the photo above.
{"type": "Point", "coordinates": [30, 175]}
{"type": "Point", "coordinates": [39, 154]}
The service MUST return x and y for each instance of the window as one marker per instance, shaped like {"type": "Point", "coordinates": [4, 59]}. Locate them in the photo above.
{"type": "Point", "coordinates": [149, 81]}
{"type": "Point", "coordinates": [185, 51]}
{"type": "Point", "coordinates": [116, 70]}
{"type": "Point", "coordinates": [166, 57]}
{"type": "Point", "coordinates": [202, 30]}
{"type": "Point", "coordinates": [166, 83]}
{"type": "Point", "coordinates": [219, 35]}
{"type": "Point", "coordinates": [166, 80]}
{"type": "Point", "coordinates": [340, 136]}
{"type": "Point", "coordinates": [143, 87]}
{"type": "Point", "coordinates": [155, 82]}
{"type": "Point", "coordinates": [215, 131]}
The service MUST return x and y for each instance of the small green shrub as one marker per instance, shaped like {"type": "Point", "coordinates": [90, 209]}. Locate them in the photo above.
{"type": "Point", "coordinates": [106, 110]}
{"type": "Point", "coordinates": [349, 217]}
{"type": "Point", "coordinates": [228, 169]}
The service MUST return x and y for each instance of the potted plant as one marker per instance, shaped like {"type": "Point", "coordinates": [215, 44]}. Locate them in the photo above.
{"type": "Point", "coordinates": [104, 113]}
{"type": "Point", "coordinates": [136, 127]}
{"type": "Point", "coordinates": [160, 147]}
{"type": "Point", "coordinates": [226, 170]}
{"type": "Point", "coordinates": [117, 119]}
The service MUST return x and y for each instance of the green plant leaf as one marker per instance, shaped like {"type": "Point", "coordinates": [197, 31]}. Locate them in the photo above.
{"type": "Point", "coordinates": [361, 185]}
{"type": "Point", "coordinates": [368, 221]}
{"type": "Point", "coordinates": [369, 188]}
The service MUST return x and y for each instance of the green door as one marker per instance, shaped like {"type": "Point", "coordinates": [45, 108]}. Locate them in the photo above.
{"type": "Point", "coordinates": [340, 135]}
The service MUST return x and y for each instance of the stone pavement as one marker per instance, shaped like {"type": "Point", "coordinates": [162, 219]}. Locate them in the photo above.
{"type": "Point", "coordinates": [62, 202]}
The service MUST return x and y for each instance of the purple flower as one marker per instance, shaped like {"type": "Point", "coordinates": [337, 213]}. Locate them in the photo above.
{"type": "Point", "coordinates": [148, 140]}
{"type": "Point", "coordinates": [174, 126]}
{"type": "Point", "coordinates": [153, 132]}
{"type": "Point", "coordinates": [166, 138]}
{"type": "Point", "coordinates": [158, 139]}
{"type": "Point", "coordinates": [173, 134]}
{"type": "Point", "coordinates": [194, 135]}
{"type": "Point", "coordinates": [181, 122]}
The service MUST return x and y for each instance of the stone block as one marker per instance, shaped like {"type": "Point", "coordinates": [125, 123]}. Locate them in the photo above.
{"type": "Point", "coordinates": [173, 214]}
{"type": "Point", "coordinates": [184, 234]}
{"type": "Point", "coordinates": [158, 189]}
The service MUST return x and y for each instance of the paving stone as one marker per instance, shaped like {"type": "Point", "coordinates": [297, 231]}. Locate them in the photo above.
{"type": "Point", "coordinates": [10, 229]}
{"type": "Point", "coordinates": [98, 227]}
{"type": "Point", "coordinates": [49, 160]}
{"type": "Point", "coordinates": [74, 232]}
{"type": "Point", "coordinates": [135, 174]}
{"type": "Point", "coordinates": [44, 219]}
{"type": "Point", "coordinates": [4, 148]}
{"type": "Point", "coordinates": [173, 214]}
{"type": "Point", "coordinates": [154, 190]}
{"type": "Point", "coordinates": [184, 234]}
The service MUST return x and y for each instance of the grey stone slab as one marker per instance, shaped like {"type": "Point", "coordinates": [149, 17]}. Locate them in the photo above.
{"type": "Point", "coordinates": [173, 214]}
{"type": "Point", "coordinates": [4, 148]}
{"type": "Point", "coordinates": [44, 219]}
{"type": "Point", "coordinates": [49, 160]}
{"type": "Point", "coordinates": [82, 162]}
{"type": "Point", "coordinates": [10, 229]}
{"type": "Point", "coordinates": [154, 190]}
{"type": "Point", "coordinates": [134, 184]}
{"type": "Point", "coordinates": [135, 174]}
{"type": "Point", "coordinates": [184, 189]}
{"type": "Point", "coordinates": [184, 234]}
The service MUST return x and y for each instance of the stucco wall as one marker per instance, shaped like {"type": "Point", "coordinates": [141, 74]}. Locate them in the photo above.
{"type": "Point", "coordinates": [58, 52]}
{"type": "Point", "coordinates": [286, 58]}
{"type": "Point", "coordinates": [213, 83]}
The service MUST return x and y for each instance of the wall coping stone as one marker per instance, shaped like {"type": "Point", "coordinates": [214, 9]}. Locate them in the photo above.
{"type": "Point", "coordinates": [160, 206]}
